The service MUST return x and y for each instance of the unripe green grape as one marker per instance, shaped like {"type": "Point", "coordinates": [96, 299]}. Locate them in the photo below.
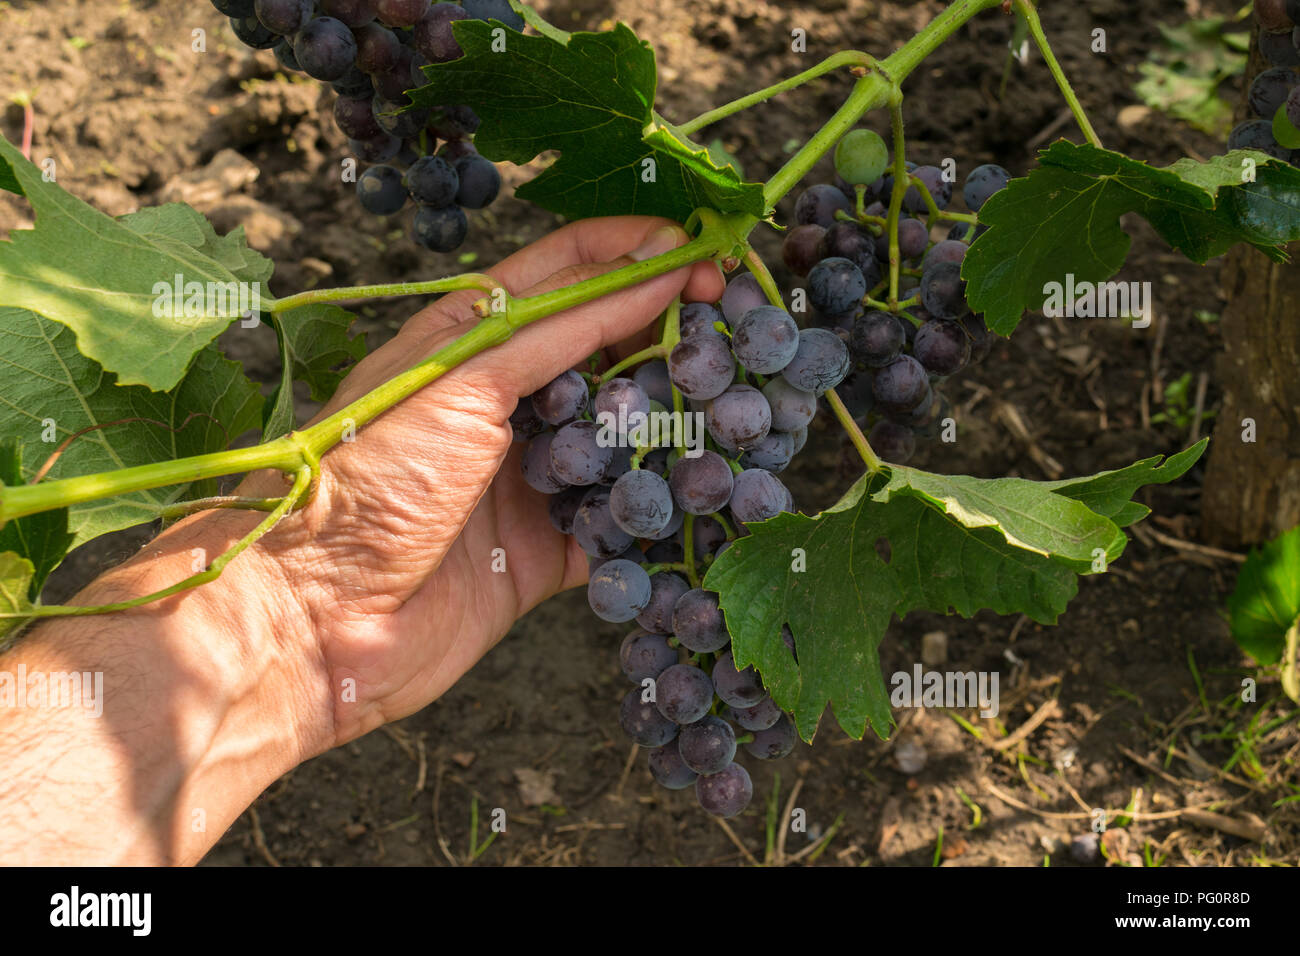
{"type": "Point", "coordinates": [861, 157]}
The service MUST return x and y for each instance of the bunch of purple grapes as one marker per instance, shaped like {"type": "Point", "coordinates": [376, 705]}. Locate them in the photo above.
{"type": "Point", "coordinates": [649, 512]}
{"type": "Point", "coordinates": [1277, 89]}
{"type": "Point", "coordinates": [371, 52]}
{"type": "Point", "coordinates": [841, 246]}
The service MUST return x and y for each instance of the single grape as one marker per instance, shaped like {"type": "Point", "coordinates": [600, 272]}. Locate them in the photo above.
{"type": "Point", "coordinates": [665, 589]}
{"type": "Point", "coordinates": [623, 399]}
{"type": "Point", "coordinates": [758, 495]}
{"type": "Point", "coordinates": [524, 421]}
{"type": "Point", "coordinates": [707, 745]}
{"type": "Point", "coordinates": [760, 716]}
{"type": "Point", "coordinates": [943, 291]}
{"type": "Point", "coordinates": [454, 122]}
{"type": "Point", "coordinates": [844, 240]}
{"type": "Point", "coordinates": [577, 456]}
{"type": "Point", "coordinates": [618, 590]}
{"type": "Point", "coordinates": [563, 506]}
{"type": "Point", "coordinates": [283, 16]}
{"type": "Point", "coordinates": [284, 55]}
{"type": "Point", "coordinates": [765, 339]}
{"type": "Point", "coordinates": [940, 190]}
{"type": "Point", "coordinates": [699, 317]}
{"type": "Point", "coordinates": [698, 622]}
{"type": "Point", "coordinates": [775, 742]}
{"type": "Point", "coordinates": [1270, 90]}
{"type": "Point", "coordinates": [641, 503]}
{"type": "Point", "coordinates": [819, 204]}
{"type": "Point", "coordinates": [819, 364]}
{"type": "Point", "coordinates": [251, 32]}
{"type": "Point", "coordinates": [773, 453]}
{"type": "Point", "coordinates": [683, 693]}
{"type": "Point", "coordinates": [742, 294]}
{"type": "Point", "coordinates": [725, 793]}
{"type": "Point", "coordinates": [942, 347]}
{"type": "Point", "coordinates": [561, 399]}
{"type": "Point", "coordinates": [801, 248]}
{"type": "Point", "coordinates": [376, 149]}
{"type": "Point", "coordinates": [433, 181]}
{"type": "Point", "coordinates": [355, 13]}
{"type": "Point", "coordinates": [642, 722]}
{"type": "Point", "coordinates": [494, 10]}
{"type": "Point", "coordinates": [739, 688]}
{"type": "Point", "coordinates": [403, 121]}
{"type": "Point", "coordinates": [456, 150]}
{"type": "Point", "coordinates": [234, 8]}
{"type": "Point", "coordinates": [877, 339]}
{"type": "Point", "coordinates": [791, 407]}
{"type": "Point", "coordinates": [654, 381]}
{"type": "Point", "coordinates": [598, 534]}
{"type": "Point", "coordinates": [537, 465]}
{"type": "Point", "coordinates": [354, 82]}
{"type": "Point", "coordinates": [439, 229]}
{"type": "Point", "coordinates": [740, 417]}
{"type": "Point", "coordinates": [433, 34]}
{"type": "Point", "coordinates": [708, 537]}
{"type": "Point", "coordinates": [861, 157]}
{"type": "Point", "coordinates": [836, 286]}
{"type": "Point", "coordinates": [325, 48]}
{"type": "Point", "coordinates": [1257, 134]}
{"type": "Point", "coordinates": [702, 366]}
{"type": "Point", "coordinates": [643, 655]}
{"type": "Point", "coordinates": [657, 461]}
{"type": "Point", "coordinates": [377, 48]}
{"type": "Point", "coordinates": [355, 118]}
{"type": "Point", "coordinates": [668, 769]}
{"type": "Point", "coordinates": [701, 485]}
{"type": "Point", "coordinates": [480, 181]}
{"type": "Point", "coordinates": [950, 250]}
{"type": "Point", "coordinates": [901, 384]}
{"type": "Point", "coordinates": [393, 82]}
{"type": "Point", "coordinates": [913, 238]}
{"type": "Point", "coordinates": [619, 464]}
{"type": "Point", "coordinates": [664, 552]}
{"type": "Point", "coordinates": [982, 183]}
{"type": "Point", "coordinates": [892, 442]}
{"type": "Point", "coordinates": [380, 190]}
{"type": "Point", "coordinates": [401, 13]}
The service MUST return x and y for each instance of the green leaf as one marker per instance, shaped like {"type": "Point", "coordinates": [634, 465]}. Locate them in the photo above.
{"type": "Point", "coordinates": [1183, 76]}
{"type": "Point", "coordinates": [1266, 601]}
{"type": "Point", "coordinates": [314, 348]}
{"type": "Point", "coordinates": [954, 545]}
{"type": "Point", "coordinates": [16, 574]}
{"type": "Point", "coordinates": [1063, 220]}
{"type": "Point", "coordinates": [102, 277]}
{"type": "Point", "coordinates": [592, 98]}
{"type": "Point", "coordinates": [42, 539]}
{"type": "Point", "coordinates": [49, 392]}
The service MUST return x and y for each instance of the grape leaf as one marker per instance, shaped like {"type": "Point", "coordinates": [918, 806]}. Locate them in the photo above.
{"type": "Point", "coordinates": [42, 539]}
{"type": "Point", "coordinates": [48, 390]}
{"type": "Point", "coordinates": [824, 577]}
{"type": "Point", "coordinates": [1109, 493]}
{"type": "Point", "coordinates": [314, 346]}
{"type": "Point", "coordinates": [1266, 601]}
{"type": "Point", "coordinates": [592, 98]}
{"type": "Point", "coordinates": [16, 574]}
{"type": "Point", "coordinates": [98, 276]}
{"type": "Point", "coordinates": [1063, 219]}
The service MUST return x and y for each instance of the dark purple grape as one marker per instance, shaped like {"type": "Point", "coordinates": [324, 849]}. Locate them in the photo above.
{"type": "Point", "coordinates": [641, 503]}
{"type": "Point", "coordinates": [524, 421]}
{"type": "Point", "coordinates": [375, 149]}
{"type": "Point", "coordinates": [283, 16]}
{"type": "Point", "coordinates": [943, 291]}
{"type": "Point", "coordinates": [913, 237]}
{"type": "Point", "coordinates": [708, 537]}
{"type": "Point", "coordinates": [669, 771]}
{"type": "Point", "coordinates": [740, 417]}
{"type": "Point", "coordinates": [1257, 134]}
{"type": "Point", "coordinates": [577, 456]}
{"type": "Point", "coordinates": [355, 118]}
{"type": "Point", "coordinates": [739, 688]}
{"type": "Point", "coordinates": [657, 461]}
{"type": "Point", "coordinates": [844, 240]}
{"type": "Point", "coordinates": [725, 793]}
{"type": "Point", "coordinates": [702, 366]}
{"type": "Point", "coordinates": [707, 745]}
{"type": "Point", "coordinates": [642, 721]}
{"type": "Point", "coordinates": [664, 552]}
{"type": "Point", "coordinates": [665, 589]}
{"type": "Point", "coordinates": [252, 33]}
{"type": "Point", "coordinates": [765, 339]}
{"type": "Point", "coordinates": [775, 742]}
{"type": "Point", "coordinates": [877, 339]}
{"type": "Point", "coordinates": [404, 121]}
{"type": "Point", "coordinates": [624, 401]}
{"type": "Point", "coordinates": [982, 183]}
{"type": "Point", "coordinates": [942, 347]}
{"type": "Point", "coordinates": [619, 465]}
{"type": "Point", "coordinates": [836, 286]}
{"type": "Point", "coordinates": [645, 655]}
{"type": "Point", "coordinates": [562, 507]}
{"type": "Point", "coordinates": [325, 48]}
{"type": "Point", "coordinates": [939, 187]}
{"type": "Point", "coordinates": [820, 362]}
{"type": "Point", "coordinates": [480, 181]}
{"type": "Point", "coordinates": [683, 693]}
{"type": "Point", "coordinates": [950, 250]}
{"type": "Point", "coordinates": [698, 622]}
{"type": "Point", "coordinates": [761, 716]}
{"type": "Point", "coordinates": [598, 534]}
{"type": "Point", "coordinates": [456, 150]}
{"type": "Point", "coordinates": [802, 247]}
{"type": "Point", "coordinates": [773, 453]}
{"type": "Point", "coordinates": [758, 495]}
{"type": "Point", "coordinates": [893, 442]}
{"type": "Point", "coordinates": [401, 13]}
{"type": "Point", "coordinates": [377, 48]}
{"type": "Point", "coordinates": [742, 294]}
{"type": "Point", "coordinates": [537, 465]}
{"type": "Point", "coordinates": [561, 399]}
{"type": "Point", "coordinates": [901, 385]}
{"type": "Point", "coordinates": [699, 317]}
{"type": "Point", "coordinates": [393, 82]}
{"type": "Point", "coordinates": [701, 485]}
{"type": "Point", "coordinates": [433, 34]}
{"type": "Point", "coordinates": [380, 190]}
{"type": "Point", "coordinates": [284, 55]}
{"type": "Point", "coordinates": [439, 228]}
{"type": "Point", "coordinates": [433, 181]}
{"type": "Point", "coordinates": [654, 381]}
{"type": "Point", "coordinates": [354, 82]}
{"type": "Point", "coordinates": [355, 13]}
{"type": "Point", "coordinates": [819, 204]}
{"type": "Point", "coordinates": [791, 407]}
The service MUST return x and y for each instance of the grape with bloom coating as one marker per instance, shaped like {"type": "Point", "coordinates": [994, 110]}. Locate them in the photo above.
{"type": "Point", "coordinates": [698, 622]}
{"type": "Point", "coordinates": [707, 745]}
{"type": "Point", "coordinates": [725, 793]}
{"type": "Point", "coordinates": [642, 721]}
{"type": "Point", "coordinates": [683, 693]}
{"type": "Point", "coordinates": [618, 590]}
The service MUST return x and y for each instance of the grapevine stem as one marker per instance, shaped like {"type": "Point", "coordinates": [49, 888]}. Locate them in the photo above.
{"type": "Point", "coordinates": [688, 550]}
{"type": "Point", "coordinates": [470, 280]}
{"type": "Point", "coordinates": [1030, 13]}
{"type": "Point", "coordinates": [183, 508]}
{"type": "Point", "coordinates": [765, 281]}
{"type": "Point", "coordinates": [901, 180]}
{"type": "Point", "coordinates": [869, 457]}
{"type": "Point", "coordinates": [829, 65]}
{"type": "Point", "coordinates": [645, 355]}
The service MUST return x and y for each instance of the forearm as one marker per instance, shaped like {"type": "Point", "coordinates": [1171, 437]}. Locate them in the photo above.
{"type": "Point", "coordinates": [207, 697]}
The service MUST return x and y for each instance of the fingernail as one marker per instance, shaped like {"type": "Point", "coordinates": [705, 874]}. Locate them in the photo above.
{"type": "Point", "coordinates": [657, 243]}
